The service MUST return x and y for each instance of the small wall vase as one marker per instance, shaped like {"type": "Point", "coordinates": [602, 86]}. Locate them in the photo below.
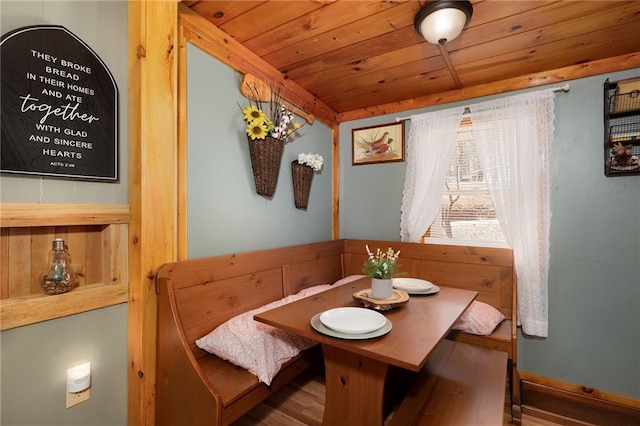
{"type": "Point", "coordinates": [302, 177]}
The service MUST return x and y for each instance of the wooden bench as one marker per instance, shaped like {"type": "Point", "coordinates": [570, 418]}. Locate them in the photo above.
{"type": "Point", "coordinates": [461, 384]}
{"type": "Point", "coordinates": [195, 296]}
{"type": "Point", "coordinates": [489, 271]}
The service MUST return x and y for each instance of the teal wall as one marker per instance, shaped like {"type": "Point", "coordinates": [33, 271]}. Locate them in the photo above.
{"type": "Point", "coordinates": [594, 273]}
{"type": "Point", "coordinates": [225, 214]}
{"type": "Point", "coordinates": [594, 276]}
{"type": "Point", "coordinates": [34, 358]}
{"type": "Point", "coordinates": [370, 194]}
{"type": "Point", "coordinates": [34, 363]}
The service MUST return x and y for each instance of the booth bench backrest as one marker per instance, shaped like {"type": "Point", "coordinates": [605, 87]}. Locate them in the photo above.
{"type": "Point", "coordinates": [209, 291]}
{"type": "Point", "coordinates": [487, 270]}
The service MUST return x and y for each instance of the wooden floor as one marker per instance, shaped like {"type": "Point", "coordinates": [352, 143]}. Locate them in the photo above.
{"type": "Point", "coordinates": [301, 403]}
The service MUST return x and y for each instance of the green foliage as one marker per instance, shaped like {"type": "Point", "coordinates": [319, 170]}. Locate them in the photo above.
{"type": "Point", "coordinates": [383, 265]}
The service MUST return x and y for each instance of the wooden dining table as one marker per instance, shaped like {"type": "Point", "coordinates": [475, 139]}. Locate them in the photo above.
{"type": "Point", "coordinates": [356, 369]}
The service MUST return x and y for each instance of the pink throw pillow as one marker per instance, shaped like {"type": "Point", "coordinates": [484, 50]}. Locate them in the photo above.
{"type": "Point", "coordinates": [480, 318]}
{"type": "Point", "coordinates": [257, 347]}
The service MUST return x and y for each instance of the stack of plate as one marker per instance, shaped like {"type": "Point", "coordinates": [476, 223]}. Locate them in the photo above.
{"type": "Point", "coordinates": [415, 286]}
{"type": "Point", "coordinates": [351, 323]}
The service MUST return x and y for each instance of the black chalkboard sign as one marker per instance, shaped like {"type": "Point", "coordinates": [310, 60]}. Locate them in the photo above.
{"type": "Point", "coordinates": [59, 106]}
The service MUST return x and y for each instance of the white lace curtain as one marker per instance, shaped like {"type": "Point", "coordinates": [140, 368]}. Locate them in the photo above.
{"type": "Point", "coordinates": [431, 138]}
{"type": "Point", "coordinates": [513, 137]}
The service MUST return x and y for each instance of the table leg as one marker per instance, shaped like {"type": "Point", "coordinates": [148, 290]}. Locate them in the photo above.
{"type": "Point", "coordinates": [355, 388]}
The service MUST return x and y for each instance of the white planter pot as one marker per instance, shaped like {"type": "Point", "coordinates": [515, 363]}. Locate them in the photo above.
{"type": "Point", "coordinates": [381, 289]}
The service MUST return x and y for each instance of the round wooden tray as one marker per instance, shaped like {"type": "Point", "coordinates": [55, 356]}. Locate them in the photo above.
{"type": "Point", "coordinates": [398, 299]}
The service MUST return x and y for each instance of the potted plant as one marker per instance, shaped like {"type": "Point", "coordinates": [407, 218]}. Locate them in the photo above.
{"type": "Point", "coordinates": [381, 267]}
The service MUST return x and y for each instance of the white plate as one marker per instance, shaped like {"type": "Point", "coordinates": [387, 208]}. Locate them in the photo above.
{"type": "Point", "coordinates": [412, 284]}
{"type": "Point", "coordinates": [433, 290]}
{"type": "Point", "coordinates": [352, 320]}
{"type": "Point", "coordinates": [318, 326]}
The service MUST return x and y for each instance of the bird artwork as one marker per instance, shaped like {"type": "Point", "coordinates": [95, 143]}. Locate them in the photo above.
{"type": "Point", "coordinates": [376, 145]}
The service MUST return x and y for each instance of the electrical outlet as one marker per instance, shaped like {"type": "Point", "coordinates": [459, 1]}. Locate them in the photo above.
{"type": "Point", "coordinates": [77, 397]}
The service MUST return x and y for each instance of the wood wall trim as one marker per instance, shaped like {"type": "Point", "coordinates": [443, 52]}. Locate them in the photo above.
{"type": "Point", "coordinates": [572, 72]}
{"type": "Point", "coordinates": [335, 182]}
{"type": "Point", "coordinates": [579, 390]}
{"type": "Point", "coordinates": [152, 186]}
{"type": "Point", "coordinates": [182, 153]}
{"type": "Point", "coordinates": [220, 45]}
{"type": "Point", "coordinates": [35, 214]}
{"type": "Point", "coordinates": [20, 311]}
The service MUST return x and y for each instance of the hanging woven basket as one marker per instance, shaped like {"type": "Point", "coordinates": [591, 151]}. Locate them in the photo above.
{"type": "Point", "coordinates": [266, 157]}
{"type": "Point", "coordinates": [302, 178]}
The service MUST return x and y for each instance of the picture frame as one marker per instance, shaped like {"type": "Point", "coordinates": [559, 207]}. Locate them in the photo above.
{"type": "Point", "coordinates": [382, 143]}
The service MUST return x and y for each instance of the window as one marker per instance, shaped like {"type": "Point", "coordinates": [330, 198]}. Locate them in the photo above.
{"type": "Point", "coordinates": [467, 213]}
{"type": "Point", "coordinates": [513, 136]}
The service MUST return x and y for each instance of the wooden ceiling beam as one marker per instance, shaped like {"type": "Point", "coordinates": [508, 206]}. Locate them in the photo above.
{"type": "Point", "coordinates": [447, 60]}
{"type": "Point", "coordinates": [603, 66]}
{"type": "Point", "coordinates": [206, 36]}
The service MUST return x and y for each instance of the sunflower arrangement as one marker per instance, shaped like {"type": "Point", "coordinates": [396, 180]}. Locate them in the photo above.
{"type": "Point", "coordinates": [278, 122]}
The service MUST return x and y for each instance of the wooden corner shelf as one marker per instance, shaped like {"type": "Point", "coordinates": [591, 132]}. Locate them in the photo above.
{"type": "Point", "coordinates": [97, 237]}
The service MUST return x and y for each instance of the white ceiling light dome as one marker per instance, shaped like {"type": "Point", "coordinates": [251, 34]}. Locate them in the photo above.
{"type": "Point", "coordinates": [442, 21]}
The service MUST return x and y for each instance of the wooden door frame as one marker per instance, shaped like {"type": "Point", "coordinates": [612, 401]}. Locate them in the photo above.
{"type": "Point", "coordinates": [152, 186]}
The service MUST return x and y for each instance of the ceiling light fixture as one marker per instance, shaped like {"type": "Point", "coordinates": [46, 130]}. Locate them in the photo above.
{"type": "Point", "coordinates": [442, 21]}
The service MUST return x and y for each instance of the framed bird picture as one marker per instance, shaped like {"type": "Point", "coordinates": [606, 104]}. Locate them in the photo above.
{"type": "Point", "coordinates": [378, 144]}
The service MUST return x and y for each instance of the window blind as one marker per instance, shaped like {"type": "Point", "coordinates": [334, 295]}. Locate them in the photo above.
{"type": "Point", "coordinates": [467, 212]}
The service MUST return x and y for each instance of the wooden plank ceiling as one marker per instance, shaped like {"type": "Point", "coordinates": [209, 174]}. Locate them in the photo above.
{"type": "Point", "coordinates": [356, 55]}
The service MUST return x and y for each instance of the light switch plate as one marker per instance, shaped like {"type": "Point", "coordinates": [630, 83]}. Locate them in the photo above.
{"type": "Point", "coordinates": [77, 398]}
